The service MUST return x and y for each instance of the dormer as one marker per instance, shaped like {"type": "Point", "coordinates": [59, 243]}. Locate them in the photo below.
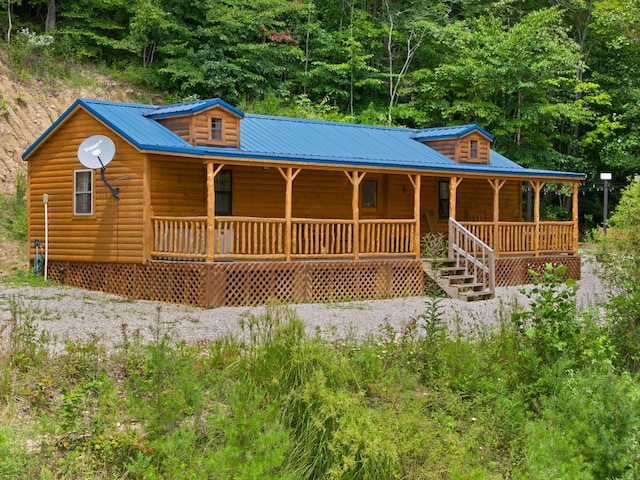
{"type": "Point", "coordinates": [462, 143]}
{"type": "Point", "coordinates": [211, 123]}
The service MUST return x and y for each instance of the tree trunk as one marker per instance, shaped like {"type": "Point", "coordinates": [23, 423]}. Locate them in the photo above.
{"type": "Point", "coordinates": [50, 22]}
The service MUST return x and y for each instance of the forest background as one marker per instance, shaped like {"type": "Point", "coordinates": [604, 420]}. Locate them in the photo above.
{"type": "Point", "coordinates": [551, 392]}
{"type": "Point", "coordinates": [556, 81]}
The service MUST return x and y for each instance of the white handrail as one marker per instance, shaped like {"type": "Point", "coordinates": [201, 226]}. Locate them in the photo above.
{"type": "Point", "coordinates": [473, 254]}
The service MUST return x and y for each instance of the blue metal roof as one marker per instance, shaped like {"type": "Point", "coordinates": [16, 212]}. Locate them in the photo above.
{"type": "Point", "coordinates": [192, 107]}
{"type": "Point", "coordinates": [283, 139]}
{"type": "Point", "coordinates": [455, 131]}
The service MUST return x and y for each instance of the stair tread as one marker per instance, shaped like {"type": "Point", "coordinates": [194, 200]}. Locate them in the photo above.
{"type": "Point", "coordinates": [467, 285]}
{"type": "Point", "coordinates": [458, 277]}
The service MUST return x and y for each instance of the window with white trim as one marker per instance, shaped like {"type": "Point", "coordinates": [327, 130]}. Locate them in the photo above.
{"type": "Point", "coordinates": [83, 192]}
{"type": "Point", "coordinates": [216, 129]}
{"type": "Point", "coordinates": [473, 149]}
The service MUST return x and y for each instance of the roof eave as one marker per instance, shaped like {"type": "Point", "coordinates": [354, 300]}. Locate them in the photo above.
{"type": "Point", "coordinates": [238, 154]}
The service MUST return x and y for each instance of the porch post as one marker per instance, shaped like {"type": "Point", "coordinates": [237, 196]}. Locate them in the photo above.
{"type": "Point", "coordinates": [574, 216]}
{"type": "Point", "coordinates": [496, 184]}
{"type": "Point", "coordinates": [537, 187]}
{"type": "Point", "coordinates": [416, 181]}
{"type": "Point", "coordinates": [355, 178]}
{"type": "Point", "coordinates": [211, 209]}
{"type": "Point", "coordinates": [453, 188]}
{"type": "Point", "coordinates": [289, 176]}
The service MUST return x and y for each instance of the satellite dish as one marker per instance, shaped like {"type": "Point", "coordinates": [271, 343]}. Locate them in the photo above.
{"type": "Point", "coordinates": [96, 152]}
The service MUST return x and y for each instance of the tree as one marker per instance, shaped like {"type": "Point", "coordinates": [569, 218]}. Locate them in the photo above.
{"type": "Point", "coordinates": [410, 27]}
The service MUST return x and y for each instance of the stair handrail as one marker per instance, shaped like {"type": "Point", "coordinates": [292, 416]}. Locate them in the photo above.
{"type": "Point", "coordinates": [465, 245]}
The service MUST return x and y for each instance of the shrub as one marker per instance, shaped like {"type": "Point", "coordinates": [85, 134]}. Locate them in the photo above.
{"type": "Point", "coordinates": [620, 256]}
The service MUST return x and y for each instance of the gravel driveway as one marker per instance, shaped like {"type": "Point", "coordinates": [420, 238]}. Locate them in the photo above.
{"type": "Point", "coordinates": [70, 313]}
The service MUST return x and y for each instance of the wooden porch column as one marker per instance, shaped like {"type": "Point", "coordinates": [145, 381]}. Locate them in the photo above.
{"type": "Point", "coordinates": [289, 176]}
{"type": "Point", "coordinates": [356, 178]}
{"type": "Point", "coordinates": [496, 184]}
{"type": "Point", "coordinates": [453, 188]}
{"type": "Point", "coordinates": [416, 181]}
{"type": "Point", "coordinates": [537, 188]}
{"type": "Point", "coordinates": [212, 171]}
{"type": "Point", "coordinates": [574, 216]}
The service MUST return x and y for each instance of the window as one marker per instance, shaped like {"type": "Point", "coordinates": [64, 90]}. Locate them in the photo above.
{"type": "Point", "coordinates": [222, 185]}
{"type": "Point", "coordinates": [83, 192]}
{"type": "Point", "coordinates": [443, 199]}
{"type": "Point", "coordinates": [216, 128]}
{"type": "Point", "coordinates": [370, 193]}
{"type": "Point", "coordinates": [473, 149]}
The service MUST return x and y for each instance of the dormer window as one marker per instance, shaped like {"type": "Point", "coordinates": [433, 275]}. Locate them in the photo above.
{"type": "Point", "coordinates": [216, 129]}
{"type": "Point", "coordinates": [473, 148]}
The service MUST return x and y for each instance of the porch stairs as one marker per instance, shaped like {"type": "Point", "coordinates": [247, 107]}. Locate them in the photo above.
{"type": "Point", "coordinates": [469, 271]}
{"type": "Point", "coordinates": [454, 281]}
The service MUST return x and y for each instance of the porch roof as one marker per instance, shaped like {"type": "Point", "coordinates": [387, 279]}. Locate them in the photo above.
{"type": "Point", "coordinates": [282, 139]}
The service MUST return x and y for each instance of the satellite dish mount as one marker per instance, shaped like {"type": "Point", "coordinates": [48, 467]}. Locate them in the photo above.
{"type": "Point", "coordinates": [96, 152]}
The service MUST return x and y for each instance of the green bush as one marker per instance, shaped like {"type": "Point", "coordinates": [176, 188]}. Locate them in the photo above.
{"type": "Point", "coordinates": [13, 212]}
{"type": "Point", "coordinates": [619, 254]}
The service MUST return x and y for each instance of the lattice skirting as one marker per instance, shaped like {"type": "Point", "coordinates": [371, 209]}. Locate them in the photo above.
{"type": "Point", "coordinates": [246, 283]}
{"type": "Point", "coordinates": [515, 270]}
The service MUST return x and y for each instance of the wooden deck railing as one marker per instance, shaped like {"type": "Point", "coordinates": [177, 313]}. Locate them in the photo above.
{"type": "Point", "coordinates": [184, 237]}
{"type": "Point", "coordinates": [249, 237]}
{"type": "Point", "coordinates": [314, 238]}
{"type": "Point", "coordinates": [473, 254]}
{"type": "Point", "coordinates": [520, 237]}
{"type": "Point", "coordinates": [387, 237]}
{"type": "Point", "coordinates": [266, 238]}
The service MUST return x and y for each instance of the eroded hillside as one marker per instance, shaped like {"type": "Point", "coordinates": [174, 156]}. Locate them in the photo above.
{"type": "Point", "coordinates": [28, 107]}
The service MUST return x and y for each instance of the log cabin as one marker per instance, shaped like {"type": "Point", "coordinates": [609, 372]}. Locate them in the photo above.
{"type": "Point", "coordinates": [203, 204]}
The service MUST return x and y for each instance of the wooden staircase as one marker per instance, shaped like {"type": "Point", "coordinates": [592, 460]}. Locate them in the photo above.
{"type": "Point", "coordinates": [455, 282]}
{"type": "Point", "coordinates": [469, 271]}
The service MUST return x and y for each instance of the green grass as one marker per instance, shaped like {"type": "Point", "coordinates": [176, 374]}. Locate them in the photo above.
{"type": "Point", "coordinates": [275, 402]}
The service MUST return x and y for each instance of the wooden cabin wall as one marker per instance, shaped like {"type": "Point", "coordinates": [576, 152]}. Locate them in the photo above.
{"type": "Point", "coordinates": [511, 202]}
{"type": "Point", "coordinates": [115, 230]}
{"type": "Point", "coordinates": [429, 221]}
{"type": "Point", "coordinates": [178, 125]}
{"type": "Point", "coordinates": [178, 188]}
{"type": "Point", "coordinates": [483, 149]}
{"type": "Point", "coordinates": [457, 149]}
{"type": "Point", "coordinates": [257, 192]}
{"type": "Point", "coordinates": [230, 128]}
{"type": "Point", "coordinates": [475, 201]}
{"type": "Point", "coordinates": [446, 147]}
{"type": "Point", "coordinates": [399, 197]}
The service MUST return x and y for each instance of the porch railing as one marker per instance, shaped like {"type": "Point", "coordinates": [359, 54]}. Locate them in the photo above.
{"type": "Point", "coordinates": [313, 237]}
{"type": "Point", "coordinates": [249, 237]}
{"type": "Point", "coordinates": [265, 238]}
{"type": "Point", "coordinates": [520, 237]}
{"type": "Point", "coordinates": [387, 237]}
{"type": "Point", "coordinates": [184, 237]}
{"type": "Point", "coordinates": [473, 254]}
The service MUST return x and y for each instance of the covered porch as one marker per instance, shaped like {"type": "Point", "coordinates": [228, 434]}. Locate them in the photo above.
{"type": "Point", "coordinates": [361, 231]}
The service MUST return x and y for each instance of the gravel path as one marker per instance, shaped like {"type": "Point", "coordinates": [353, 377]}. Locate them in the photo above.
{"type": "Point", "coordinates": [70, 313]}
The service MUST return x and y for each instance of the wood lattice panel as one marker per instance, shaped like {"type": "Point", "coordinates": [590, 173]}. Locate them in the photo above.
{"type": "Point", "coordinates": [246, 283]}
{"type": "Point", "coordinates": [515, 270]}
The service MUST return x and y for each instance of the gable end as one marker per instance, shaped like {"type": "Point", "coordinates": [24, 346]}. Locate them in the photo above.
{"type": "Point", "coordinates": [472, 148]}
{"type": "Point", "coordinates": [213, 127]}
